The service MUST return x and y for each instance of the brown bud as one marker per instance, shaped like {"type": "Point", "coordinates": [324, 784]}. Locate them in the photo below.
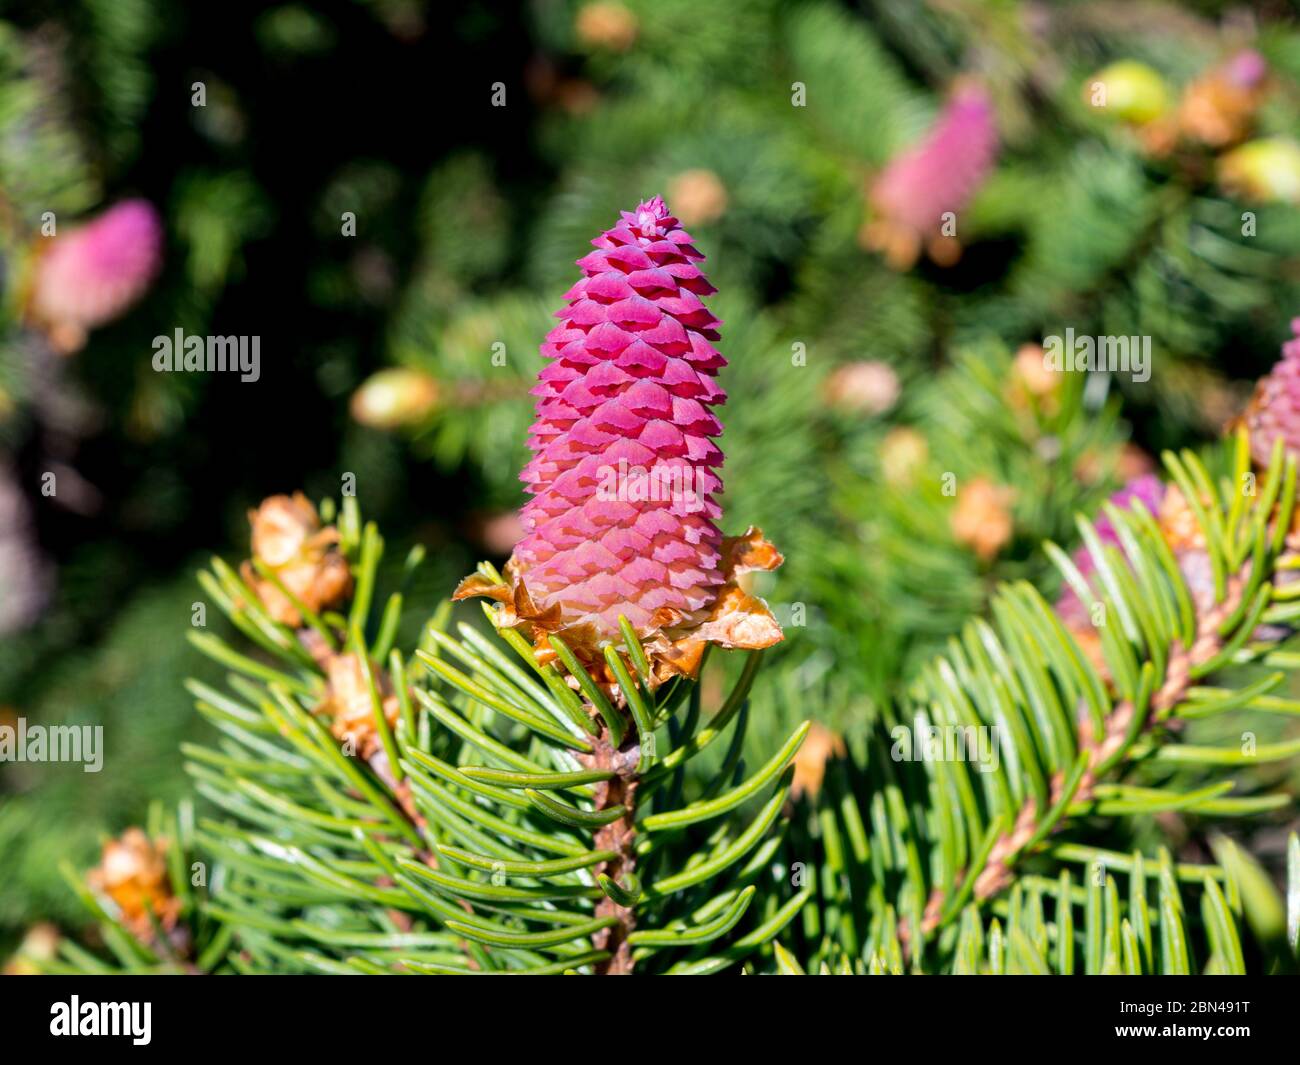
{"type": "Point", "coordinates": [819, 748]}
{"type": "Point", "coordinates": [1133, 463]}
{"type": "Point", "coordinates": [903, 451]}
{"type": "Point", "coordinates": [1218, 108]}
{"type": "Point", "coordinates": [133, 874]}
{"type": "Point", "coordinates": [608, 25]}
{"type": "Point", "coordinates": [394, 398]}
{"type": "Point", "coordinates": [1178, 522]}
{"type": "Point", "coordinates": [1032, 377]}
{"type": "Point", "coordinates": [868, 387]}
{"type": "Point", "coordinates": [348, 703]}
{"type": "Point", "coordinates": [288, 538]}
{"type": "Point", "coordinates": [282, 525]}
{"type": "Point", "coordinates": [698, 197]}
{"type": "Point", "coordinates": [982, 519]}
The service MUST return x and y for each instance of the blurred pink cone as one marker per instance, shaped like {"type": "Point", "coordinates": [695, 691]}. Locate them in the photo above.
{"type": "Point", "coordinates": [937, 176]}
{"type": "Point", "coordinates": [95, 272]}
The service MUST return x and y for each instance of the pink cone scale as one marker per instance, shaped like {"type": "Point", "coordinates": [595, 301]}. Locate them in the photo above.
{"type": "Point", "coordinates": [1274, 410]}
{"type": "Point", "coordinates": [95, 272]}
{"type": "Point", "coordinates": [623, 479]}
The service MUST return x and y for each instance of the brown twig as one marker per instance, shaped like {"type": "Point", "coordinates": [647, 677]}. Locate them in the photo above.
{"type": "Point", "coordinates": [620, 837]}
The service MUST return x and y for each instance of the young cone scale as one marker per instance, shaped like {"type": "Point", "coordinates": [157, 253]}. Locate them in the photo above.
{"type": "Point", "coordinates": [1273, 414]}
{"type": "Point", "coordinates": [622, 523]}
{"type": "Point", "coordinates": [1274, 409]}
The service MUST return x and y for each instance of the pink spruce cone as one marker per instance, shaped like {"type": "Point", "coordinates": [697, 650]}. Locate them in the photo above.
{"type": "Point", "coordinates": [628, 391]}
{"type": "Point", "coordinates": [94, 273]}
{"type": "Point", "coordinates": [623, 479]}
{"type": "Point", "coordinates": [940, 174]}
{"type": "Point", "coordinates": [1274, 409]}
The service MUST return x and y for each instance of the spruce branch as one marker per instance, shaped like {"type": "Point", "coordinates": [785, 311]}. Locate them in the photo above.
{"type": "Point", "coordinates": [1058, 926]}
{"type": "Point", "coordinates": [487, 803]}
{"type": "Point", "coordinates": [148, 898]}
{"type": "Point", "coordinates": [1161, 612]}
{"type": "Point", "coordinates": [1153, 616]}
{"type": "Point", "coordinates": [511, 819]}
